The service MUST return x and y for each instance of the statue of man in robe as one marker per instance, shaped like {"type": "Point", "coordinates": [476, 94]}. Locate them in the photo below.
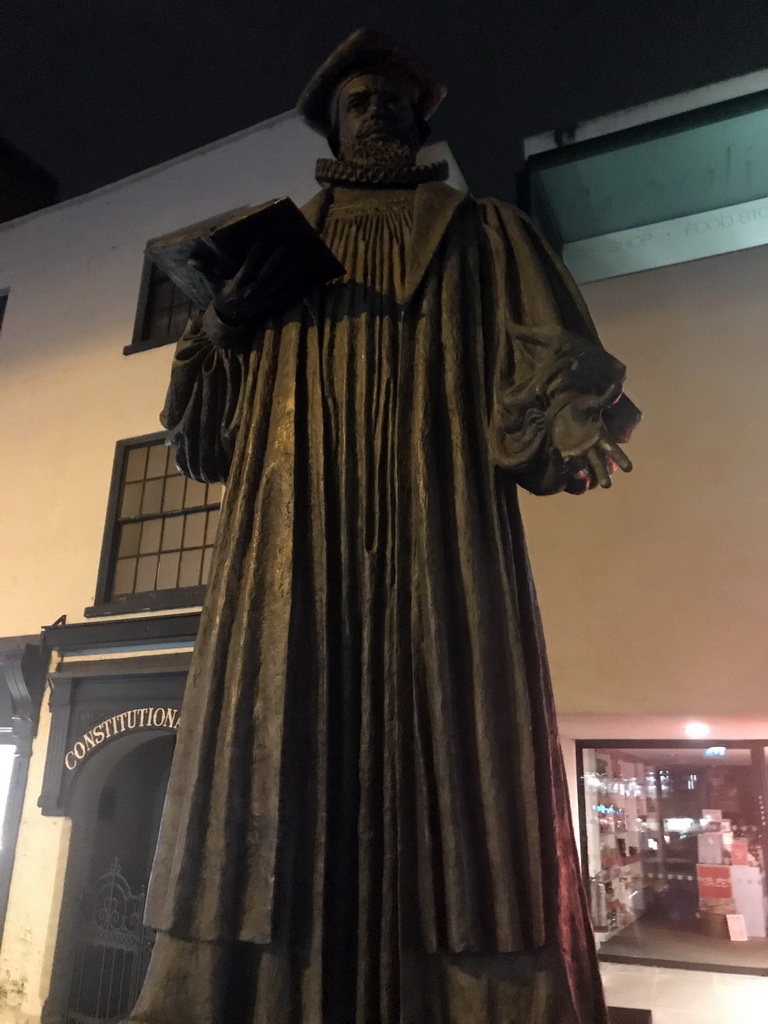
{"type": "Point", "coordinates": [367, 820]}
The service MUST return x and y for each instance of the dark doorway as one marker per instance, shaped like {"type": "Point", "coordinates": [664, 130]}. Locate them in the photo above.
{"type": "Point", "coordinates": [129, 810]}
{"type": "Point", "coordinates": [103, 948]}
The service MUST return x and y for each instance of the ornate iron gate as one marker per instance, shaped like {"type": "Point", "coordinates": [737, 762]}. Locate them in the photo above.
{"type": "Point", "coordinates": [111, 951]}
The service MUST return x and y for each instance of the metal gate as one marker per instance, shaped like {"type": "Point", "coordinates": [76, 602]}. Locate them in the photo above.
{"type": "Point", "coordinates": [112, 950]}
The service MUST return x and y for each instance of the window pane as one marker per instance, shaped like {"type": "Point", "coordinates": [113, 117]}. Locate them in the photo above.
{"type": "Point", "coordinates": [167, 571]}
{"type": "Point", "coordinates": [173, 498]}
{"type": "Point", "coordinates": [170, 460]}
{"type": "Point", "coordinates": [189, 570]}
{"type": "Point", "coordinates": [156, 460]}
{"type": "Point", "coordinates": [135, 463]}
{"type": "Point", "coordinates": [215, 494]}
{"type": "Point", "coordinates": [213, 525]}
{"type": "Point", "coordinates": [153, 496]}
{"type": "Point", "coordinates": [195, 494]}
{"type": "Point", "coordinates": [206, 565]}
{"type": "Point", "coordinates": [150, 536]}
{"type": "Point", "coordinates": [129, 539]}
{"type": "Point", "coordinates": [160, 298]}
{"type": "Point", "coordinates": [178, 320]}
{"type": "Point", "coordinates": [131, 505]}
{"type": "Point", "coordinates": [194, 530]}
{"type": "Point", "coordinates": [124, 575]}
{"type": "Point", "coordinates": [172, 529]}
{"type": "Point", "coordinates": [145, 573]}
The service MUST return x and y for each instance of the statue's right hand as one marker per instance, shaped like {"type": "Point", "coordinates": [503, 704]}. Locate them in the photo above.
{"type": "Point", "coordinates": [267, 280]}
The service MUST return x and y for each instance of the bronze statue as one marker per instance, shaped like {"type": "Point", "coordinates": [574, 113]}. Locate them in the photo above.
{"type": "Point", "coordinates": [367, 820]}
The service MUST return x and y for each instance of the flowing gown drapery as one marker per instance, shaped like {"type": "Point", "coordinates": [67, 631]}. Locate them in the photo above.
{"type": "Point", "coordinates": [367, 786]}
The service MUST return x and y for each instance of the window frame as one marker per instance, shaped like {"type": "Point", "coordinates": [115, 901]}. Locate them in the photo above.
{"type": "Point", "coordinates": [147, 601]}
{"type": "Point", "coordinates": [138, 343]}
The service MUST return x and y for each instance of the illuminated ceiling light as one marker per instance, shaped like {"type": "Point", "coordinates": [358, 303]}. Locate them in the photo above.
{"type": "Point", "coordinates": [697, 730]}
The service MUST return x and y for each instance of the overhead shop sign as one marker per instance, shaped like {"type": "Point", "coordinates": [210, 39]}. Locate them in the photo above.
{"type": "Point", "coordinates": [667, 191]}
{"type": "Point", "coordinates": [125, 722]}
{"type": "Point", "coordinates": [728, 229]}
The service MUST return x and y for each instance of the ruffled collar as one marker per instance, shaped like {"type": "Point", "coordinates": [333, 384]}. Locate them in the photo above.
{"type": "Point", "coordinates": [340, 172]}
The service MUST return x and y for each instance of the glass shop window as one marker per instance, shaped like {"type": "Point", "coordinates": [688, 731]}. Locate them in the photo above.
{"type": "Point", "coordinates": [675, 851]}
{"type": "Point", "coordinates": [160, 532]}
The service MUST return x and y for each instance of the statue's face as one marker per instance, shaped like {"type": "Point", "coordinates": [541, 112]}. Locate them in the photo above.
{"type": "Point", "coordinates": [376, 120]}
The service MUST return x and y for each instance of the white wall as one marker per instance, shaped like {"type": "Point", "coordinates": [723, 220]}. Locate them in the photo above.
{"type": "Point", "coordinates": [31, 923]}
{"type": "Point", "coordinates": [654, 593]}
{"type": "Point", "coordinates": [67, 392]}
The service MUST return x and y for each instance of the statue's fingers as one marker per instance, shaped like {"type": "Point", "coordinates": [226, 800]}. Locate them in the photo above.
{"type": "Point", "coordinates": [616, 455]}
{"type": "Point", "coordinates": [599, 468]}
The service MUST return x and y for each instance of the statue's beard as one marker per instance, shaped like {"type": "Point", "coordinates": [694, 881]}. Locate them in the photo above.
{"type": "Point", "coordinates": [379, 158]}
{"type": "Point", "coordinates": [376, 149]}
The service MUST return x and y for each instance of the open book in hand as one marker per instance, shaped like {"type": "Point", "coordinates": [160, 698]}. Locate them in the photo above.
{"type": "Point", "coordinates": [205, 254]}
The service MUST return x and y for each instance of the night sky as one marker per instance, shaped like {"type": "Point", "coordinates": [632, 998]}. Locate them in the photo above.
{"type": "Point", "coordinates": [97, 89]}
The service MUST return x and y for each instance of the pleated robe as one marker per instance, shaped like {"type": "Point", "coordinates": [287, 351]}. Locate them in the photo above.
{"type": "Point", "coordinates": [367, 792]}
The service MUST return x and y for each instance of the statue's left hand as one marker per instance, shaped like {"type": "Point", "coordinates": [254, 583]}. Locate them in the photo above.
{"type": "Point", "coordinates": [599, 463]}
{"type": "Point", "coordinates": [590, 454]}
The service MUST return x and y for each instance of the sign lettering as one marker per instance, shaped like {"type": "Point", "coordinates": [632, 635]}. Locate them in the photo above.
{"type": "Point", "coordinates": [125, 721]}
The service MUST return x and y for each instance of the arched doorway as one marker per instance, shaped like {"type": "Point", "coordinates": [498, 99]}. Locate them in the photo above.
{"type": "Point", "coordinates": [102, 948]}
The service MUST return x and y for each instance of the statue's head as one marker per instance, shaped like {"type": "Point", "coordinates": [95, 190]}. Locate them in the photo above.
{"type": "Point", "coordinates": [371, 99]}
{"type": "Point", "coordinates": [376, 120]}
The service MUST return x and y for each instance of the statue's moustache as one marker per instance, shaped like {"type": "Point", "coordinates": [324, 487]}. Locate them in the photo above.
{"type": "Point", "coordinates": [380, 130]}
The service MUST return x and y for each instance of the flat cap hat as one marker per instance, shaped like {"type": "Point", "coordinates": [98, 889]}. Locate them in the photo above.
{"type": "Point", "coordinates": [365, 49]}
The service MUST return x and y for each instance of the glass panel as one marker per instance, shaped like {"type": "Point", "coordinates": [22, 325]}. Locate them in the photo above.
{"type": "Point", "coordinates": [213, 525]}
{"type": "Point", "coordinates": [170, 460]}
{"type": "Point", "coordinates": [160, 296]}
{"type": "Point", "coordinates": [125, 571]}
{"type": "Point", "coordinates": [167, 571]}
{"type": "Point", "coordinates": [178, 320]}
{"type": "Point", "coordinates": [195, 494]}
{"type": "Point", "coordinates": [129, 539]}
{"type": "Point", "coordinates": [145, 574]}
{"type": "Point", "coordinates": [215, 494]}
{"type": "Point", "coordinates": [189, 570]}
{"type": "Point", "coordinates": [131, 504]}
{"type": "Point", "coordinates": [159, 306]}
{"type": "Point", "coordinates": [173, 498]}
{"type": "Point", "coordinates": [194, 530]}
{"type": "Point", "coordinates": [205, 575]}
{"type": "Point", "coordinates": [156, 461]}
{"type": "Point", "coordinates": [153, 496]}
{"type": "Point", "coordinates": [675, 859]}
{"type": "Point", "coordinates": [135, 462]}
{"type": "Point", "coordinates": [150, 536]}
{"type": "Point", "coordinates": [172, 531]}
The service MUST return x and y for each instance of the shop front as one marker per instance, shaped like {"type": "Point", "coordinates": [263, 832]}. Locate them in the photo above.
{"type": "Point", "coordinates": [674, 848]}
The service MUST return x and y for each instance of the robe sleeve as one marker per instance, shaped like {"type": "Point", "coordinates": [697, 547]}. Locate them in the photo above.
{"type": "Point", "coordinates": [547, 362]}
{"type": "Point", "coordinates": [203, 405]}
